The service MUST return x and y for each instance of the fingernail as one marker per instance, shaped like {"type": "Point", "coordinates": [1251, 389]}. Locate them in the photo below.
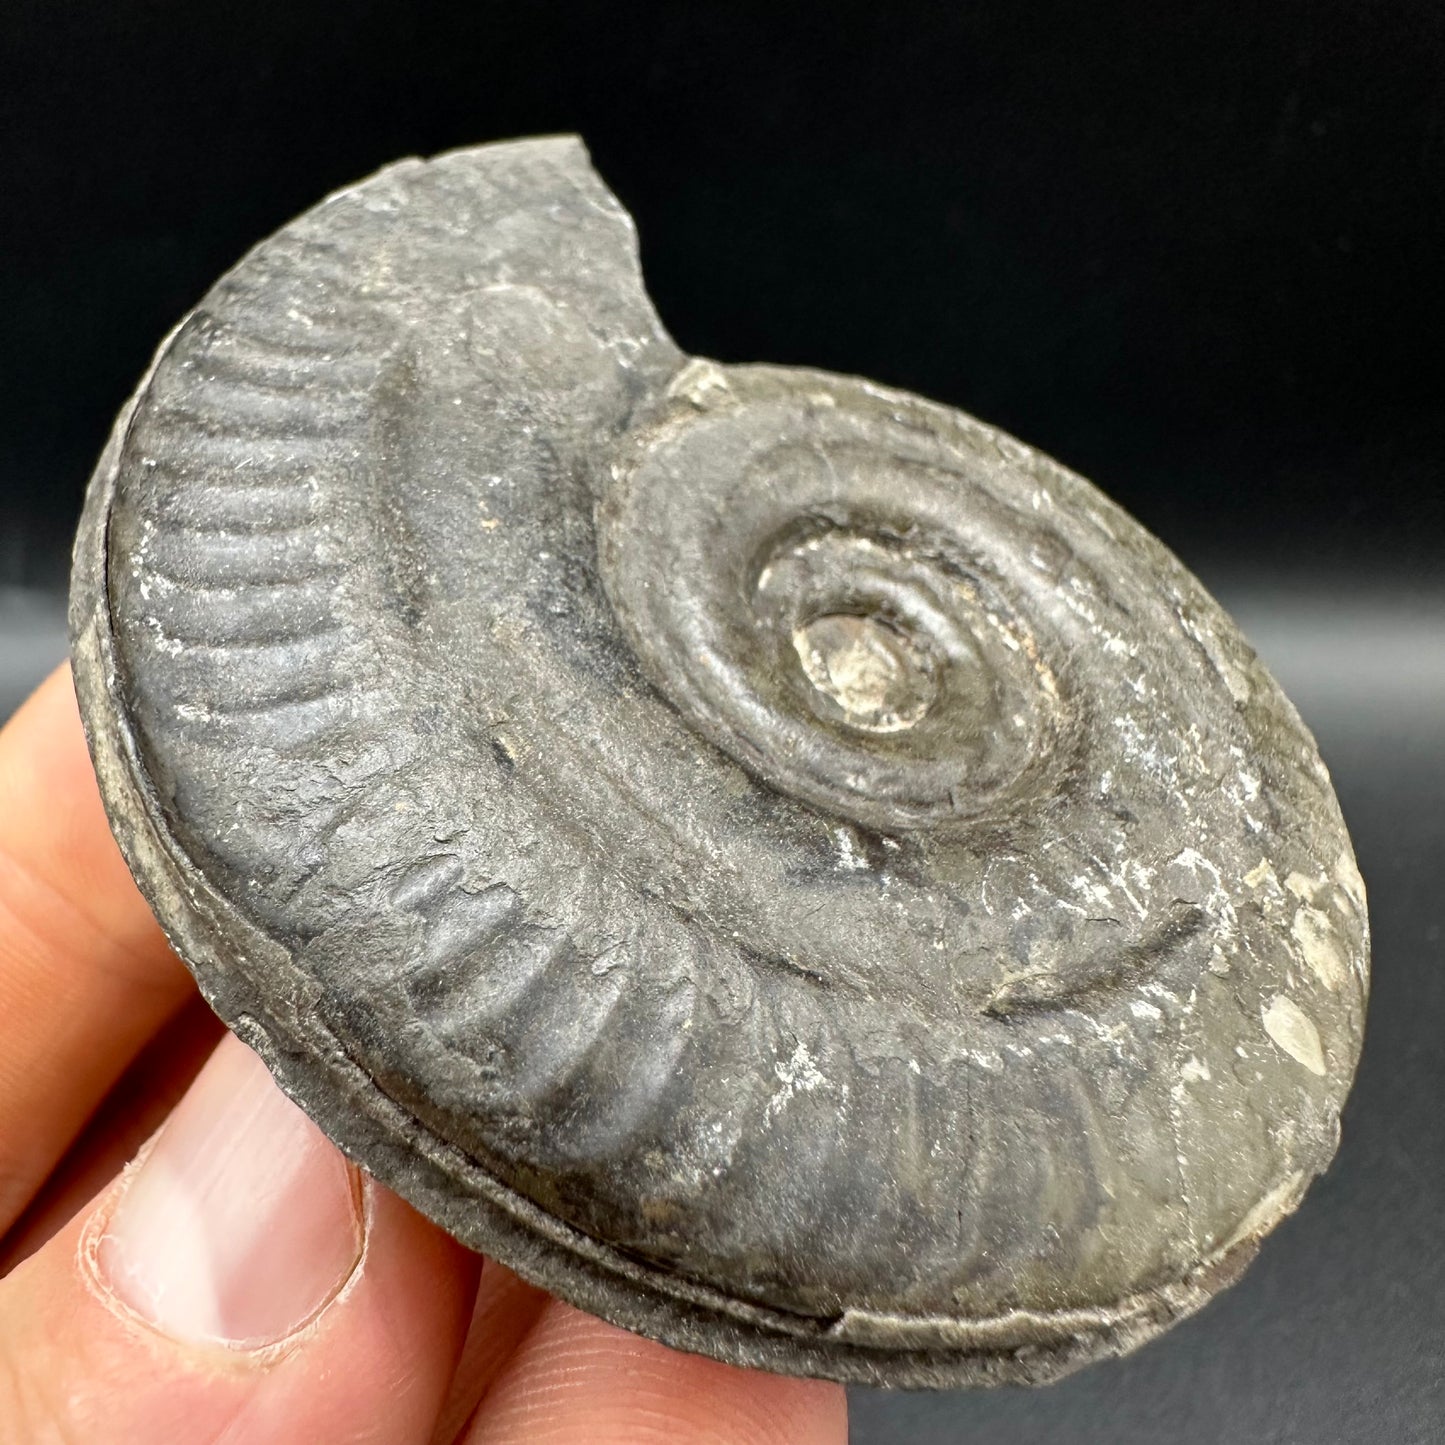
{"type": "Point", "coordinates": [242, 1222]}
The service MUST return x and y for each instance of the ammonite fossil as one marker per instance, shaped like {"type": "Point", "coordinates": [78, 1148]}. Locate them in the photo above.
{"type": "Point", "coordinates": [772, 859]}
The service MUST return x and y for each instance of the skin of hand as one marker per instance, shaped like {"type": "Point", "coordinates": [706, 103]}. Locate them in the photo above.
{"type": "Point", "coordinates": [183, 1256]}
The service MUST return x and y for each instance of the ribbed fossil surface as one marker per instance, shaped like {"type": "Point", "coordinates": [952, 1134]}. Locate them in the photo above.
{"type": "Point", "coordinates": [772, 859]}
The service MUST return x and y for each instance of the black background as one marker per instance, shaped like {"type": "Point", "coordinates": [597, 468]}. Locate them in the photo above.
{"type": "Point", "coordinates": [1193, 250]}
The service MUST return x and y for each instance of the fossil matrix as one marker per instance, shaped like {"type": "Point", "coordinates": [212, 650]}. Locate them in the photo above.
{"type": "Point", "coordinates": [774, 860]}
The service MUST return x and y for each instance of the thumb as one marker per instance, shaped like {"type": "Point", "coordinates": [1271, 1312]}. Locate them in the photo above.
{"type": "Point", "coordinates": [242, 1281]}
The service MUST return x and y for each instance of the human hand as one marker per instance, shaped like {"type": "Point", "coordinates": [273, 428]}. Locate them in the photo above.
{"type": "Point", "coordinates": [240, 1281]}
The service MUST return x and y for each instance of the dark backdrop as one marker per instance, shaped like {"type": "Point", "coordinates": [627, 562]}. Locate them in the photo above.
{"type": "Point", "coordinates": [1191, 249]}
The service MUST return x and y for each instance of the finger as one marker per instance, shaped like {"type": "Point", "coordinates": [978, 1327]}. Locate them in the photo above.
{"type": "Point", "coordinates": [575, 1378]}
{"type": "Point", "coordinates": [133, 1110]}
{"type": "Point", "coordinates": [506, 1308]}
{"type": "Point", "coordinates": [85, 974]}
{"type": "Point", "coordinates": [242, 1282]}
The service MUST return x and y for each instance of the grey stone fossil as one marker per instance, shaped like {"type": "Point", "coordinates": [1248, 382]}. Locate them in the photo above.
{"type": "Point", "coordinates": [772, 859]}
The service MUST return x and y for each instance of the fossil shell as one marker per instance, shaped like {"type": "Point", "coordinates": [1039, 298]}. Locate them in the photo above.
{"type": "Point", "coordinates": [774, 860]}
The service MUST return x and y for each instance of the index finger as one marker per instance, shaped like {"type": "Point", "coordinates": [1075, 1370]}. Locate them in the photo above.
{"type": "Point", "coordinates": [85, 974]}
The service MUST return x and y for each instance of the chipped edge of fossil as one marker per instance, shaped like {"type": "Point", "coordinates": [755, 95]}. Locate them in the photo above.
{"type": "Point", "coordinates": [859, 1346]}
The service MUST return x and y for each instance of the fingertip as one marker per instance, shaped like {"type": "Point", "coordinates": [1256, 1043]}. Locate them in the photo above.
{"type": "Point", "coordinates": [239, 1281]}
